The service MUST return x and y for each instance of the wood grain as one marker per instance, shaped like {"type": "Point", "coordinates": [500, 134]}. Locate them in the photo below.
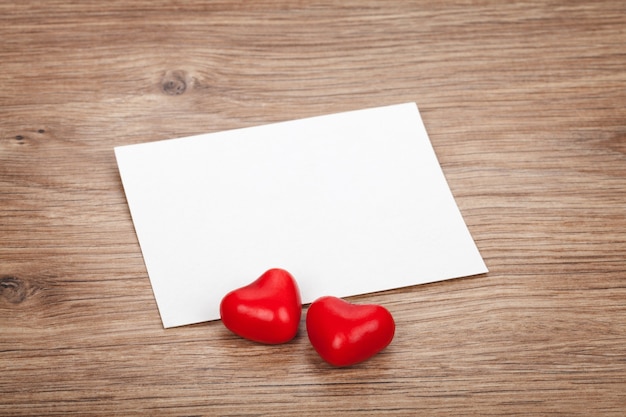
{"type": "Point", "coordinates": [525, 104]}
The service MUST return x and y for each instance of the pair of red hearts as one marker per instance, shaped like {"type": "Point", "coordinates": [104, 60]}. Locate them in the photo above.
{"type": "Point", "coordinates": [268, 311]}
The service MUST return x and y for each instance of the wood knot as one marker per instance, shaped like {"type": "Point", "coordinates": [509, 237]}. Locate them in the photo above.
{"type": "Point", "coordinates": [174, 83]}
{"type": "Point", "coordinates": [13, 289]}
{"type": "Point", "coordinates": [21, 139]}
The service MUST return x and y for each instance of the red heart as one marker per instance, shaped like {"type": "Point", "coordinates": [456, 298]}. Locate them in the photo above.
{"type": "Point", "coordinates": [267, 311]}
{"type": "Point", "coordinates": [345, 334]}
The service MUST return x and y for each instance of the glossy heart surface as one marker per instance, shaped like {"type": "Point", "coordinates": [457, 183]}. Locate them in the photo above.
{"type": "Point", "coordinates": [345, 334]}
{"type": "Point", "coordinates": [267, 310]}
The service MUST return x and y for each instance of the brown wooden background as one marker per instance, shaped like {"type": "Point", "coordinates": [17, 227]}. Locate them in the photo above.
{"type": "Point", "coordinates": [525, 104]}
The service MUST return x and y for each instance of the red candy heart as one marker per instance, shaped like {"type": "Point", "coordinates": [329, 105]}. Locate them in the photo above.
{"type": "Point", "coordinates": [344, 334]}
{"type": "Point", "coordinates": [267, 311]}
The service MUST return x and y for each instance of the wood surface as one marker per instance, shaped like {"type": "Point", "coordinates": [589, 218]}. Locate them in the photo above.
{"type": "Point", "coordinates": [524, 102]}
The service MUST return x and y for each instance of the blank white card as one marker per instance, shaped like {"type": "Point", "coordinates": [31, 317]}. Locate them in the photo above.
{"type": "Point", "coordinates": [349, 203]}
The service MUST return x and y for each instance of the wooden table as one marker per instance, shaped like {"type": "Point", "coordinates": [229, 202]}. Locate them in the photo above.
{"type": "Point", "coordinates": [525, 104]}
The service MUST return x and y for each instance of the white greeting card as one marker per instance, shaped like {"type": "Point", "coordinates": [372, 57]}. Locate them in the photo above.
{"type": "Point", "coordinates": [349, 203]}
